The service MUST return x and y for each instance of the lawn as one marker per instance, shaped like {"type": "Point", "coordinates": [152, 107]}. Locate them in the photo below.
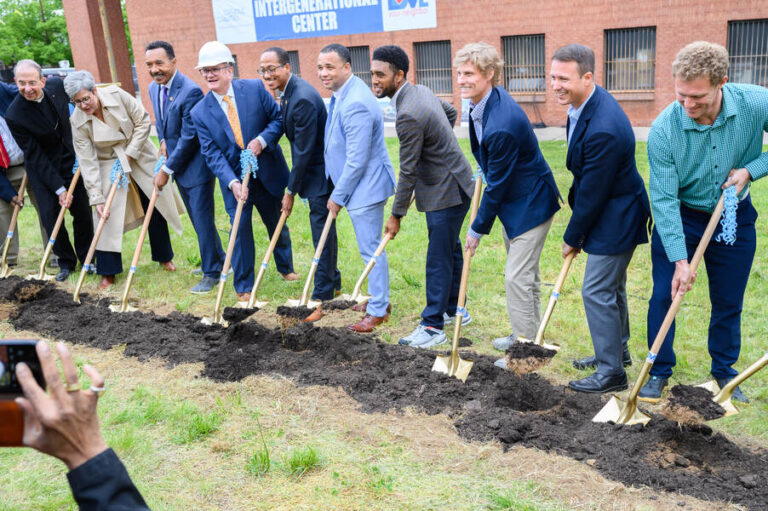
{"type": "Point", "coordinates": [265, 443]}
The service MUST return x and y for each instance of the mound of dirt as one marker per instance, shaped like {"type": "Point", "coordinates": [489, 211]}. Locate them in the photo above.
{"type": "Point", "coordinates": [338, 304]}
{"type": "Point", "coordinates": [492, 404]}
{"type": "Point", "coordinates": [687, 404]}
{"type": "Point", "coordinates": [235, 314]}
{"type": "Point", "coordinates": [300, 312]}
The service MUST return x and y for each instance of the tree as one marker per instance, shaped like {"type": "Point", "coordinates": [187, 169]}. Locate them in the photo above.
{"type": "Point", "coordinates": [33, 29]}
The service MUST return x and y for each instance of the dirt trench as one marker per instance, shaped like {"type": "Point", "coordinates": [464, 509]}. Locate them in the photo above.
{"type": "Point", "coordinates": [492, 404]}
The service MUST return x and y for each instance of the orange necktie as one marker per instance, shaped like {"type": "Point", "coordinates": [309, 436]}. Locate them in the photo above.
{"type": "Point", "coordinates": [234, 122]}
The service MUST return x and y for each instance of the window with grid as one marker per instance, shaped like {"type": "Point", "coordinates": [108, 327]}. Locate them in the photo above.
{"type": "Point", "coordinates": [630, 59]}
{"type": "Point", "coordinates": [361, 63]}
{"type": "Point", "coordinates": [293, 60]}
{"type": "Point", "coordinates": [748, 50]}
{"type": "Point", "coordinates": [433, 66]}
{"type": "Point", "coordinates": [524, 65]}
{"type": "Point", "coordinates": [235, 69]}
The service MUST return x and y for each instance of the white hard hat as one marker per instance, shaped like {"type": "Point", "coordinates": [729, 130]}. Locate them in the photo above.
{"type": "Point", "coordinates": [212, 53]}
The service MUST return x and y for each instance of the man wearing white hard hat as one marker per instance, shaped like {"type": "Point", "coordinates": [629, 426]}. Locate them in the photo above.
{"type": "Point", "coordinates": [233, 116]}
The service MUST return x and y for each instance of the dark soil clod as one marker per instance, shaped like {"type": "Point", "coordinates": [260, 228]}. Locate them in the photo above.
{"type": "Point", "coordinates": [338, 304]}
{"type": "Point", "coordinates": [300, 312]}
{"type": "Point", "coordinates": [236, 314]}
{"type": "Point", "coordinates": [498, 405]}
{"type": "Point", "coordinates": [464, 342]}
{"type": "Point", "coordinates": [528, 350]}
{"type": "Point", "coordinates": [687, 404]}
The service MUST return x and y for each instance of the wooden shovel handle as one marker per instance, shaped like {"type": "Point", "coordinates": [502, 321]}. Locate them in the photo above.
{"type": "Point", "coordinates": [145, 227]}
{"type": "Point", "coordinates": [100, 226]}
{"type": "Point", "coordinates": [370, 265]}
{"type": "Point", "coordinates": [318, 253]}
{"type": "Point", "coordinates": [553, 298]}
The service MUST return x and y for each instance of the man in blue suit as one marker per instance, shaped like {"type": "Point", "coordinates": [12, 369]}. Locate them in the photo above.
{"type": "Point", "coordinates": [233, 116]}
{"type": "Point", "coordinates": [304, 115]}
{"type": "Point", "coordinates": [173, 95]}
{"type": "Point", "coordinates": [610, 211]}
{"type": "Point", "coordinates": [357, 162]}
{"type": "Point", "coordinates": [521, 190]}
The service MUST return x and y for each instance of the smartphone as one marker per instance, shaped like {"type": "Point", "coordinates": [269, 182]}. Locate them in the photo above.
{"type": "Point", "coordinates": [13, 351]}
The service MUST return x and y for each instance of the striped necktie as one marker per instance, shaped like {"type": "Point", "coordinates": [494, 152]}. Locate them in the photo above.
{"type": "Point", "coordinates": [234, 122]}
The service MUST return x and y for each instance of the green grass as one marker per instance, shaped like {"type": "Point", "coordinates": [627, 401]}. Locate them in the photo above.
{"type": "Point", "coordinates": [193, 444]}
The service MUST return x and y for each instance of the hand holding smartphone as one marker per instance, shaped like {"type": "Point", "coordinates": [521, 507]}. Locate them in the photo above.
{"type": "Point", "coordinates": [13, 352]}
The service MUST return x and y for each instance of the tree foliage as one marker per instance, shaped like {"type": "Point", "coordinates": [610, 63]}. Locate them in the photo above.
{"type": "Point", "coordinates": [33, 29]}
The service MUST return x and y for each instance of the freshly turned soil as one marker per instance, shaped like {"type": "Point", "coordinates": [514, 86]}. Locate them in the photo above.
{"type": "Point", "coordinates": [299, 312]}
{"type": "Point", "coordinates": [687, 404]}
{"type": "Point", "coordinates": [464, 342]}
{"type": "Point", "coordinates": [338, 304]}
{"type": "Point", "coordinates": [526, 357]}
{"type": "Point", "coordinates": [492, 405]}
{"type": "Point", "coordinates": [235, 314]}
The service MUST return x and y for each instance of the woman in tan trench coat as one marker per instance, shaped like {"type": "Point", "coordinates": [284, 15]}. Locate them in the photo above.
{"type": "Point", "coordinates": [111, 124]}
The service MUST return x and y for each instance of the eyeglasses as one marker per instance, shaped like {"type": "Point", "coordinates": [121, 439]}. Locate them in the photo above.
{"type": "Point", "coordinates": [263, 71]}
{"type": "Point", "coordinates": [212, 70]}
{"type": "Point", "coordinates": [83, 101]}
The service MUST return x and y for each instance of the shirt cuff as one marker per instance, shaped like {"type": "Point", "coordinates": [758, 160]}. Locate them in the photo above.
{"type": "Point", "coordinates": [165, 169]}
{"type": "Point", "coordinates": [231, 183]}
{"type": "Point", "coordinates": [474, 234]}
{"type": "Point", "coordinates": [61, 190]}
{"type": "Point", "coordinates": [262, 142]}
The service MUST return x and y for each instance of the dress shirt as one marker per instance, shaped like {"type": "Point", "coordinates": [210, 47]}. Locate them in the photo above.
{"type": "Point", "coordinates": [575, 113]}
{"type": "Point", "coordinates": [476, 114]}
{"type": "Point", "coordinates": [281, 93]}
{"type": "Point", "coordinates": [15, 154]}
{"type": "Point", "coordinates": [225, 108]}
{"type": "Point", "coordinates": [690, 161]}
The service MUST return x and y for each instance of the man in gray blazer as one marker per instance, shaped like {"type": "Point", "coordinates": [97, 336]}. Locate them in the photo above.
{"type": "Point", "coordinates": [433, 167]}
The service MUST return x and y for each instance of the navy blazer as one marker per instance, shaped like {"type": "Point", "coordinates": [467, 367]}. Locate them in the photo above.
{"type": "Point", "coordinates": [304, 114]}
{"type": "Point", "coordinates": [520, 188]}
{"type": "Point", "coordinates": [259, 114]}
{"type": "Point", "coordinates": [178, 130]}
{"type": "Point", "coordinates": [610, 205]}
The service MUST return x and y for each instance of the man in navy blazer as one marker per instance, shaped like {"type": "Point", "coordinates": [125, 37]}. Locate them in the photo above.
{"type": "Point", "coordinates": [357, 162]}
{"type": "Point", "coordinates": [520, 190]}
{"type": "Point", "coordinates": [173, 95]}
{"type": "Point", "coordinates": [246, 105]}
{"type": "Point", "coordinates": [610, 211]}
{"type": "Point", "coordinates": [304, 115]}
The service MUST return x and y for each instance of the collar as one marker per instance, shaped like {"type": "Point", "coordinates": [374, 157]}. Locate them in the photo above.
{"type": "Point", "coordinates": [341, 90]}
{"type": "Point", "coordinates": [220, 98]}
{"type": "Point", "coordinates": [479, 108]}
{"type": "Point", "coordinates": [40, 100]}
{"type": "Point", "coordinates": [393, 101]}
{"type": "Point", "coordinates": [575, 113]}
{"type": "Point", "coordinates": [727, 110]}
{"type": "Point", "coordinates": [281, 93]}
{"type": "Point", "coordinates": [170, 82]}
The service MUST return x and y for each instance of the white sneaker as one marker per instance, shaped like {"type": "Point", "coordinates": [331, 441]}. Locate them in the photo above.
{"type": "Point", "coordinates": [503, 343]}
{"type": "Point", "coordinates": [423, 337]}
{"type": "Point", "coordinates": [465, 318]}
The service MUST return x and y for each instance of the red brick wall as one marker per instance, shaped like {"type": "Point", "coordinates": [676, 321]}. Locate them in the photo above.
{"type": "Point", "coordinates": [187, 24]}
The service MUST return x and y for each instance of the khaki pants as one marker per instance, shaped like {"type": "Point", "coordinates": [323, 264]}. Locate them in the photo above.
{"type": "Point", "coordinates": [521, 279]}
{"type": "Point", "coordinates": [15, 175]}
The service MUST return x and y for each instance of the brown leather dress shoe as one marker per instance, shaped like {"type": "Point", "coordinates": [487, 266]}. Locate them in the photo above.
{"type": "Point", "coordinates": [368, 323]}
{"type": "Point", "coordinates": [168, 265]}
{"type": "Point", "coordinates": [106, 281]}
{"type": "Point", "coordinates": [290, 277]}
{"type": "Point", "coordinates": [243, 297]}
{"type": "Point", "coordinates": [316, 314]}
{"type": "Point", "coordinates": [363, 307]}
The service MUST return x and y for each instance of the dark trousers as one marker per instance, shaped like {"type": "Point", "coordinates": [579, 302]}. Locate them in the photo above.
{"type": "Point", "coordinates": [200, 207]}
{"type": "Point", "coordinates": [728, 270]}
{"type": "Point", "coordinates": [111, 263]}
{"type": "Point", "coordinates": [327, 275]}
{"type": "Point", "coordinates": [48, 209]}
{"type": "Point", "coordinates": [243, 255]}
{"type": "Point", "coordinates": [445, 259]}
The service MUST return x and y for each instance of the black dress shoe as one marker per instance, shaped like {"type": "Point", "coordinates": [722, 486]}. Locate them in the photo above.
{"type": "Point", "coordinates": [62, 275]}
{"type": "Point", "coordinates": [591, 362]}
{"type": "Point", "coordinates": [599, 383]}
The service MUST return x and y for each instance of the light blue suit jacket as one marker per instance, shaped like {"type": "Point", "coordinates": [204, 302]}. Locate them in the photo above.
{"type": "Point", "coordinates": [356, 157]}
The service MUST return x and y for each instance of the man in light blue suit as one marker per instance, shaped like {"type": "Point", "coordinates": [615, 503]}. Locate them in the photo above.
{"type": "Point", "coordinates": [233, 116]}
{"type": "Point", "coordinates": [357, 162]}
{"type": "Point", "coordinates": [173, 95]}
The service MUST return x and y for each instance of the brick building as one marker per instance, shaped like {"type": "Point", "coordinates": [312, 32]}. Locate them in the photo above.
{"type": "Point", "coordinates": [634, 42]}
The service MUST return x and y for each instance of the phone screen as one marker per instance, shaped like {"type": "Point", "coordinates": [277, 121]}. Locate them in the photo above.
{"type": "Point", "coordinates": [11, 353]}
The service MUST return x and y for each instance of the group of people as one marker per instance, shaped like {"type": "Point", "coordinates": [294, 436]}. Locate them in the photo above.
{"type": "Point", "coordinates": [707, 140]}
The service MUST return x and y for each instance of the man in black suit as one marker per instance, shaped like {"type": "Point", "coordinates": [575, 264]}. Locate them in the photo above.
{"type": "Point", "coordinates": [304, 118]}
{"type": "Point", "coordinates": [39, 121]}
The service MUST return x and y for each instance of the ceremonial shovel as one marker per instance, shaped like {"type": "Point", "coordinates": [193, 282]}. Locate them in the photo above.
{"type": "Point", "coordinates": [723, 396]}
{"type": "Point", "coordinates": [52, 238]}
{"type": "Point", "coordinates": [124, 307]}
{"type": "Point", "coordinates": [356, 295]}
{"type": "Point", "coordinates": [304, 301]}
{"type": "Point", "coordinates": [250, 304]}
{"type": "Point", "coordinates": [453, 364]}
{"type": "Point", "coordinates": [626, 412]}
{"type": "Point", "coordinates": [96, 236]}
{"type": "Point", "coordinates": [217, 317]}
{"type": "Point", "coordinates": [4, 268]}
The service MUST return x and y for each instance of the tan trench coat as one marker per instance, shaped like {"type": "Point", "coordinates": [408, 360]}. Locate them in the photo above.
{"type": "Point", "coordinates": [124, 133]}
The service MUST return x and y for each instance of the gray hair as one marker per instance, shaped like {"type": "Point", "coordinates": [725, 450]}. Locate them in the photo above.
{"type": "Point", "coordinates": [77, 81]}
{"type": "Point", "coordinates": [27, 63]}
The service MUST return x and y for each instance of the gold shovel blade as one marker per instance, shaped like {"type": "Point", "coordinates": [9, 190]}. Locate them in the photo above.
{"type": "Point", "coordinates": [618, 411]}
{"type": "Point", "coordinates": [5, 270]}
{"type": "Point", "coordinates": [297, 303]}
{"type": "Point", "coordinates": [460, 369]}
{"type": "Point", "coordinates": [213, 321]}
{"type": "Point", "coordinates": [257, 304]}
{"type": "Point", "coordinates": [36, 276]}
{"type": "Point", "coordinates": [727, 405]}
{"type": "Point", "coordinates": [118, 307]}
{"type": "Point", "coordinates": [350, 298]}
{"type": "Point", "coordinates": [554, 347]}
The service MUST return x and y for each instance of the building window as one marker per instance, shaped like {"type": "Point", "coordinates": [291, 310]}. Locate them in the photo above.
{"type": "Point", "coordinates": [293, 60]}
{"type": "Point", "coordinates": [630, 59]}
{"type": "Point", "coordinates": [433, 66]}
{"type": "Point", "coordinates": [524, 66]}
{"type": "Point", "coordinates": [235, 70]}
{"type": "Point", "coordinates": [748, 50]}
{"type": "Point", "coordinates": [361, 63]}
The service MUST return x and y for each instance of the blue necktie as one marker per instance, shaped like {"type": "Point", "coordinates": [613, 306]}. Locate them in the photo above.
{"type": "Point", "coordinates": [165, 101]}
{"type": "Point", "coordinates": [330, 109]}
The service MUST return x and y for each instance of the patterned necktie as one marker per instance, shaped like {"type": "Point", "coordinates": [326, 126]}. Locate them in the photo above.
{"type": "Point", "coordinates": [5, 160]}
{"type": "Point", "coordinates": [234, 122]}
{"type": "Point", "coordinates": [165, 101]}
